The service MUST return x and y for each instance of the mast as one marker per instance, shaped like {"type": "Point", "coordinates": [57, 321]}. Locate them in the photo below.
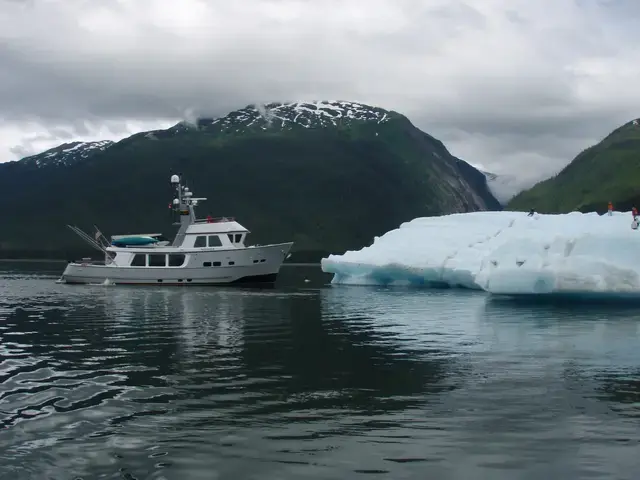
{"type": "Point", "coordinates": [184, 205]}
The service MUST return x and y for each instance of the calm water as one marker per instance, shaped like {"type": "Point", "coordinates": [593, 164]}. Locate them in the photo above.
{"type": "Point", "coordinates": [310, 381]}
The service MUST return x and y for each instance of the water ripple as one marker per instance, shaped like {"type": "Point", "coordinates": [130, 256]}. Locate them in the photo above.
{"type": "Point", "coordinates": [316, 383]}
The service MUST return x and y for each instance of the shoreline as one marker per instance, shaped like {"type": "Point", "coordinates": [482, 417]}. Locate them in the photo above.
{"type": "Point", "coordinates": [33, 260]}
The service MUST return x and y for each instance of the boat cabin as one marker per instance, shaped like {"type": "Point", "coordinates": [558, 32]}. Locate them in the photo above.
{"type": "Point", "coordinates": [225, 233]}
{"type": "Point", "coordinates": [193, 236]}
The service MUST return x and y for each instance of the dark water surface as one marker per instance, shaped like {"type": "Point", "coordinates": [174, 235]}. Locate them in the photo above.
{"type": "Point", "coordinates": [307, 381]}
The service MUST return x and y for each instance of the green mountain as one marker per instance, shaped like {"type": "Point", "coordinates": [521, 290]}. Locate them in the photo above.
{"type": "Point", "coordinates": [608, 171]}
{"type": "Point", "coordinates": [328, 175]}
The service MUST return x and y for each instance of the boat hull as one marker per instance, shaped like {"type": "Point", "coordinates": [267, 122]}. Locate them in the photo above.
{"type": "Point", "coordinates": [237, 267]}
{"type": "Point", "coordinates": [249, 280]}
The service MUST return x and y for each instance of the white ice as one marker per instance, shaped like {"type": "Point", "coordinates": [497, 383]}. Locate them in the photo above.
{"type": "Point", "coordinates": [502, 253]}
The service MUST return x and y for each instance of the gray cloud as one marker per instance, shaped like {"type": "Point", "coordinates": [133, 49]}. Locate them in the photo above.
{"type": "Point", "coordinates": [517, 86]}
{"type": "Point", "coordinates": [20, 151]}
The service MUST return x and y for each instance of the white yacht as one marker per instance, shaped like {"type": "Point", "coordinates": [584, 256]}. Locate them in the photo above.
{"type": "Point", "coordinates": [209, 251]}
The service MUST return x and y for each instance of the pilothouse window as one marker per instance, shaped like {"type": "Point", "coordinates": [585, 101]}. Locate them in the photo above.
{"type": "Point", "coordinates": [238, 237]}
{"type": "Point", "coordinates": [201, 241]}
{"type": "Point", "coordinates": [214, 241]}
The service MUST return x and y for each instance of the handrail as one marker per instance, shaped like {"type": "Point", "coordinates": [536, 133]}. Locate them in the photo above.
{"type": "Point", "coordinates": [215, 220]}
{"type": "Point", "coordinates": [89, 262]}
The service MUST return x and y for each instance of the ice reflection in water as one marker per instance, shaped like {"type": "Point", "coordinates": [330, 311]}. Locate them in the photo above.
{"type": "Point", "coordinates": [311, 383]}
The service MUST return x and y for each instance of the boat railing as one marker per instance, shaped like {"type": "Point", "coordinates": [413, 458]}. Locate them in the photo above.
{"type": "Point", "coordinates": [141, 247]}
{"type": "Point", "coordinates": [90, 261]}
{"type": "Point", "coordinates": [97, 240]}
{"type": "Point", "coordinates": [215, 220]}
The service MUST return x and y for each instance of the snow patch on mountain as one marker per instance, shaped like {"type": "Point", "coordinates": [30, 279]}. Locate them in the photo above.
{"type": "Point", "coordinates": [297, 114]}
{"type": "Point", "coordinates": [67, 153]}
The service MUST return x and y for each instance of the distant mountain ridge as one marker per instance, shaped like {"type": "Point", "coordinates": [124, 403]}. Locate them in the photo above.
{"type": "Point", "coordinates": [328, 175]}
{"type": "Point", "coordinates": [248, 120]}
{"type": "Point", "coordinates": [504, 187]}
{"type": "Point", "coordinates": [66, 154]}
{"type": "Point", "coordinates": [606, 171]}
{"type": "Point", "coordinates": [297, 114]}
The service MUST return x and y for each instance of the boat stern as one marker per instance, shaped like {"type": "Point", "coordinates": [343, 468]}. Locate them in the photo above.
{"type": "Point", "coordinates": [76, 272]}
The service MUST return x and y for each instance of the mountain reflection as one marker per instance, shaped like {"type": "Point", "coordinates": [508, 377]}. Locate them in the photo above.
{"type": "Point", "coordinates": [129, 382]}
{"type": "Point", "coordinates": [281, 345]}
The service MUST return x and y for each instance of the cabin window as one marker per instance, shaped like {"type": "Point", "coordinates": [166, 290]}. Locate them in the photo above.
{"type": "Point", "coordinates": [235, 237]}
{"type": "Point", "coordinates": [206, 264]}
{"type": "Point", "coordinates": [214, 241]}
{"type": "Point", "coordinates": [139, 260]}
{"type": "Point", "coordinates": [157, 260]}
{"type": "Point", "coordinates": [216, 264]}
{"type": "Point", "coordinates": [232, 263]}
{"type": "Point", "coordinates": [176, 260]}
{"type": "Point", "coordinates": [201, 241]}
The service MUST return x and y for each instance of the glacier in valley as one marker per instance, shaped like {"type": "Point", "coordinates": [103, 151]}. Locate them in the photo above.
{"type": "Point", "coordinates": [502, 253]}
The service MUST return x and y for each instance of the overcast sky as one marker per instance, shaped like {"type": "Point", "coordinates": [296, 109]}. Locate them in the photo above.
{"type": "Point", "coordinates": [516, 86]}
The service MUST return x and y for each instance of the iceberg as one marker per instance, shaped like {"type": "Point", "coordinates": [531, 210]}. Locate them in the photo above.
{"type": "Point", "coordinates": [508, 253]}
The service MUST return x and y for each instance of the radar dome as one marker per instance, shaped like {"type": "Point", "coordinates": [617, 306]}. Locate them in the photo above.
{"type": "Point", "coordinates": [175, 179]}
